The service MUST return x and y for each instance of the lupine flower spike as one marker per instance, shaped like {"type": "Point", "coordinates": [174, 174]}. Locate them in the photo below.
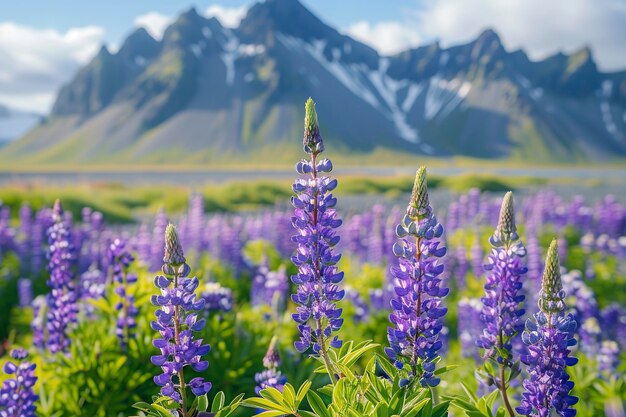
{"type": "Point", "coordinates": [315, 220]}
{"type": "Point", "coordinates": [176, 321]}
{"type": "Point", "coordinates": [17, 396]}
{"type": "Point", "coordinates": [271, 376]}
{"type": "Point", "coordinates": [502, 312]}
{"type": "Point", "coordinates": [120, 259]}
{"type": "Point", "coordinates": [417, 317]}
{"type": "Point", "coordinates": [549, 337]}
{"type": "Point", "coordinates": [61, 300]}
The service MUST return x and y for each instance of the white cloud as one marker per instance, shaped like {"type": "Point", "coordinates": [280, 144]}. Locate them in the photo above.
{"type": "Point", "coordinates": [540, 27]}
{"type": "Point", "coordinates": [387, 37]}
{"type": "Point", "coordinates": [36, 62]}
{"type": "Point", "coordinates": [154, 22]}
{"type": "Point", "coordinates": [228, 16]}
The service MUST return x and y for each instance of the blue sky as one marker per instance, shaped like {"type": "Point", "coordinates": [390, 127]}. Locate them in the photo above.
{"type": "Point", "coordinates": [45, 42]}
{"type": "Point", "coordinates": [117, 16]}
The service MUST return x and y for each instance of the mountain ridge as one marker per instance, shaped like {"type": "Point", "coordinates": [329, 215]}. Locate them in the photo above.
{"type": "Point", "coordinates": [209, 93]}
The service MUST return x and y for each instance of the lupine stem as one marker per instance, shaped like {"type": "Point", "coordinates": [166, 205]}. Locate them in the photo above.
{"type": "Point", "coordinates": [323, 353]}
{"type": "Point", "coordinates": [181, 376]}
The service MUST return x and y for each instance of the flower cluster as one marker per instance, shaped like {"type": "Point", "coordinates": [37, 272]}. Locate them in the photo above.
{"type": "Point", "coordinates": [502, 312]}
{"type": "Point", "coordinates": [549, 338]}
{"type": "Point", "coordinates": [120, 259]}
{"type": "Point", "coordinates": [271, 376]}
{"type": "Point", "coordinates": [176, 322]}
{"type": "Point", "coordinates": [17, 396]}
{"type": "Point", "coordinates": [217, 297]}
{"type": "Point", "coordinates": [414, 336]}
{"type": "Point", "coordinates": [61, 300]}
{"type": "Point", "coordinates": [315, 220]}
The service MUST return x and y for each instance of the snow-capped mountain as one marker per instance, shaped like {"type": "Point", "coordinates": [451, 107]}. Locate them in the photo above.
{"type": "Point", "coordinates": [208, 93]}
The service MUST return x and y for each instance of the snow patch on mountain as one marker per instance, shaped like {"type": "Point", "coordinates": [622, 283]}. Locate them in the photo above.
{"type": "Point", "coordinates": [388, 88]}
{"type": "Point", "coordinates": [443, 96]}
{"type": "Point", "coordinates": [230, 54]}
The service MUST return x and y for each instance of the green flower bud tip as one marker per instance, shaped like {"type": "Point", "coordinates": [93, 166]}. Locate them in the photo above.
{"type": "Point", "coordinates": [312, 140]}
{"type": "Point", "coordinates": [506, 223]}
{"type": "Point", "coordinates": [57, 211]}
{"type": "Point", "coordinates": [310, 115]}
{"type": "Point", "coordinates": [419, 204]}
{"type": "Point", "coordinates": [173, 249]}
{"type": "Point", "coordinates": [551, 299]}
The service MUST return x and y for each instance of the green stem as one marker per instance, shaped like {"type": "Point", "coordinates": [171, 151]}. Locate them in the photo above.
{"type": "Point", "coordinates": [181, 376]}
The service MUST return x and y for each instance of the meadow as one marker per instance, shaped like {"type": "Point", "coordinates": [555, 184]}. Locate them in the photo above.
{"type": "Point", "coordinates": [490, 304]}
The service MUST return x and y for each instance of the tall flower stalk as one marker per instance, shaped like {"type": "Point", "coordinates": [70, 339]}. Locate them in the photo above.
{"type": "Point", "coordinates": [176, 321]}
{"type": "Point", "coordinates": [61, 300]}
{"type": "Point", "coordinates": [549, 336]}
{"type": "Point", "coordinates": [418, 311]}
{"type": "Point", "coordinates": [120, 259]}
{"type": "Point", "coordinates": [502, 311]}
{"type": "Point", "coordinates": [17, 395]}
{"type": "Point", "coordinates": [271, 375]}
{"type": "Point", "coordinates": [315, 220]}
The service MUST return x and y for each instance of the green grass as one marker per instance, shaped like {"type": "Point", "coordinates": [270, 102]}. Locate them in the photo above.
{"type": "Point", "coordinates": [124, 204]}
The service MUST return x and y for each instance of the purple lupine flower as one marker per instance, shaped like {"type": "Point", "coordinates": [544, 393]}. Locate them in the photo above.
{"type": "Point", "coordinates": [477, 257]}
{"type": "Point", "coordinates": [17, 395]}
{"type": "Point", "coordinates": [25, 292]}
{"type": "Point", "coordinates": [270, 376]}
{"type": "Point", "coordinates": [469, 326]}
{"type": "Point", "coordinates": [38, 325]}
{"type": "Point", "coordinates": [608, 357]}
{"type": "Point", "coordinates": [216, 297]}
{"type": "Point", "coordinates": [359, 307]}
{"type": "Point", "coordinates": [160, 223]}
{"type": "Point", "coordinates": [120, 259]}
{"type": "Point", "coordinates": [24, 245]}
{"type": "Point", "coordinates": [502, 314]}
{"type": "Point", "coordinates": [61, 300]}
{"type": "Point", "coordinates": [549, 338]}
{"type": "Point", "coordinates": [176, 322]}
{"type": "Point", "coordinates": [613, 318]}
{"type": "Point", "coordinates": [315, 220]}
{"type": "Point", "coordinates": [417, 317]}
{"type": "Point", "coordinates": [584, 309]}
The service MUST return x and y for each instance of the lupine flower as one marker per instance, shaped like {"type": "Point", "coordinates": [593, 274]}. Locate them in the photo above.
{"type": "Point", "coordinates": [469, 326]}
{"type": "Point", "coordinates": [216, 297]}
{"type": "Point", "coordinates": [176, 322]}
{"type": "Point", "coordinates": [25, 292]}
{"type": "Point", "coordinates": [271, 376]}
{"type": "Point", "coordinates": [17, 396]}
{"type": "Point", "coordinates": [417, 317]}
{"type": "Point", "coordinates": [315, 220]}
{"type": "Point", "coordinates": [61, 300]}
{"type": "Point", "coordinates": [120, 259]}
{"type": "Point", "coordinates": [608, 357]}
{"type": "Point", "coordinates": [549, 337]}
{"type": "Point", "coordinates": [502, 314]}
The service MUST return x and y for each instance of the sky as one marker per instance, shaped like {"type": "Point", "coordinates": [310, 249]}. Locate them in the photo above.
{"type": "Point", "coordinates": [45, 43]}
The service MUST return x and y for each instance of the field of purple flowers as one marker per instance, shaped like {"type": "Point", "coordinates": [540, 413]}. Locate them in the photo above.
{"type": "Point", "coordinates": [488, 307]}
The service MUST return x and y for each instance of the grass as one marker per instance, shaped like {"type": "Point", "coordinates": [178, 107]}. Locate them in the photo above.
{"type": "Point", "coordinates": [125, 204]}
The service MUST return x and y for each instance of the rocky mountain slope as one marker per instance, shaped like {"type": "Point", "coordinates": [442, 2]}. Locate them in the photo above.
{"type": "Point", "coordinates": [208, 93]}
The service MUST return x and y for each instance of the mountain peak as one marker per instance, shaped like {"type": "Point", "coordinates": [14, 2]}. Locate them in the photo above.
{"type": "Point", "coordinates": [139, 43]}
{"type": "Point", "coordinates": [286, 16]}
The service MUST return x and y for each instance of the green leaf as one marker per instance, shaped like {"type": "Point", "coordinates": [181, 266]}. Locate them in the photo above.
{"type": "Point", "coordinates": [302, 391]}
{"type": "Point", "coordinates": [317, 404]}
{"type": "Point", "coordinates": [265, 404]}
{"type": "Point", "coordinates": [289, 396]}
{"type": "Point", "coordinates": [218, 402]}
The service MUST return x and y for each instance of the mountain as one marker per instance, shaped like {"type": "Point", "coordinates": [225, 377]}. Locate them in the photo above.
{"type": "Point", "coordinates": [15, 123]}
{"type": "Point", "coordinates": [209, 94]}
